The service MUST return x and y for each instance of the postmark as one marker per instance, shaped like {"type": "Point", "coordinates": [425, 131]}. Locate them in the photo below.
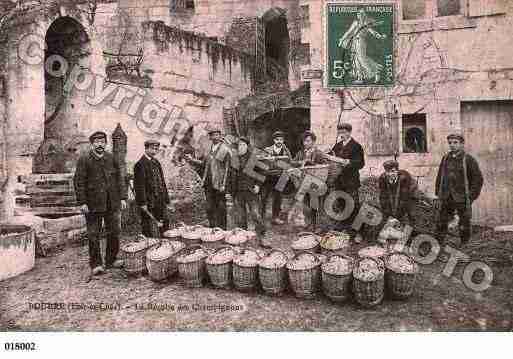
{"type": "Point", "coordinates": [372, 67]}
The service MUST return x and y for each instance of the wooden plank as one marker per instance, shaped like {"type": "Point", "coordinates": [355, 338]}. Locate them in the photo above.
{"type": "Point", "coordinates": [33, 178]}
{"type": "Point", "coordinates": [33, 190]}
{"type": "Point", "coordinates": [52, 200]}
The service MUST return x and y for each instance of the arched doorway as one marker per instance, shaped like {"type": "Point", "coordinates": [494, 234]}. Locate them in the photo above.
{"type": "Point", "coordinates": [277, 43]}
{"type": "Point", "coordinates": [68, 45]}
{"type": "Point", "coordinates": [68, 39]}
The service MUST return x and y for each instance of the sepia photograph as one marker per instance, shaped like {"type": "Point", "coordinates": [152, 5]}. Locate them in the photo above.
{"type": "Point", "coordinates": [255, 166]}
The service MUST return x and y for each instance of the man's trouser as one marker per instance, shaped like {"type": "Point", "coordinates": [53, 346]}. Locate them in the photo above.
{"type": "Point", "coordinates": [269, 191]}
{"type": "Point", "coordinates": [112, 227]}
{"type": "Point", "coordinates": [448, 208]}
{"type": "Point", "coordinates": [246, 205]}
{"type": "Point", "coordinates": [149, 227]}
{"type": "Point", "coordinates": [216, 207]}
{"type": "Point", "coordinates": [310, 211]}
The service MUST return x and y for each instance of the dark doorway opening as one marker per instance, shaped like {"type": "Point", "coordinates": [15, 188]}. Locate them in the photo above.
{"type": "Point", "coordinates": [293, 121]}
{"type": "Point", "coordinates": [277, 42]}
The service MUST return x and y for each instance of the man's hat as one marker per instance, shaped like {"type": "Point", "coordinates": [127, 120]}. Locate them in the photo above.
{"type": "Point", "coordinates": [309, 134]}
{"type": "Point", "coordinates": [212, 128]}
{"type": "Point", "coordinates": [244, 139]}
{"type": "Point", "coordinates": [97, 134]}
{"type": "Point", "coordinates": [150, 142]}
{"type": "Point", "coordinates": [388, 165]}
{"type": "Point", "coordinates": [278, 134]}
{"type": "Point", "coordinates": [456, 136]}
{"type": "Point", "coordinates": [345, 126]}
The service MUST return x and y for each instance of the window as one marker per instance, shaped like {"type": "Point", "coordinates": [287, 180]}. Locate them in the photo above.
{"type": "Point", "coordinates": [414, 133]}
{"type": "Point", "coordinates": [448, 7]}
{"type": "Point", "coordinates": [414, 9]}
{"type": "Point", "coordinates": [429, 9]}
{"type": "Point", "coordinates": [181, 5]}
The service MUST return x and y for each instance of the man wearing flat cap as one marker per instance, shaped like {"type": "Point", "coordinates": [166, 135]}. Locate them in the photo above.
{"type": "Point", "coordinates": [347, 178]}
{"type": "Point", "coordinates": [278, 149]}
{"type": "Point", "coordinates": [397, 192]}
{"type": "Point", "coordinates": [101, 192]}
{"type": "Point", "coordinates": [151, 191]}
{"type": "Point", "coordinates": [310, 155]}
{"type": "Point", "coordinates": [214, 167]}
{"type": "Point", "coordinates": [458, 185]}
{"type": "Point", "coordinates": [246, 189]}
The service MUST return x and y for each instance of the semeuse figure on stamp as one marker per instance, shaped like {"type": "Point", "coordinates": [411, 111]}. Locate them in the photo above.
{"type": "Point", "coordinates": [363, 67]}
{"type": "Point", "coordinates": [347, 178]}
{"type": "Point", "coordinates": [458, 184]}
{"type": "Point", "coordinates": [278, 149]}
{"type": "Point", "coordinates": [151, 194]}
{"type": "Point", "coordinates": [101, 192]}
{"type": "Point", "coordinates": [245, 189]}
{"type": "Point", "coordinates": [309, 155]}
{"type": "Point", "coordinates": [215, 167]}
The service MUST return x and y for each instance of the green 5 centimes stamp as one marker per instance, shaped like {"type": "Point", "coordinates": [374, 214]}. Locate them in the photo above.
{"type": "Point", "coordinates": [359, 40]}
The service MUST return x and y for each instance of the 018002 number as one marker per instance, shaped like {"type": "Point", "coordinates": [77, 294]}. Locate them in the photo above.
{"type": "Point", "coordinates": [19, 346]}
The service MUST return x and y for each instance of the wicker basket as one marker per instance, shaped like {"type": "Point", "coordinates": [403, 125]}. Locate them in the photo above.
{"type": "Point", "coordinates": [192, 272]}
{"type": "Point", "coordinates": [176, 233]}
{"type": "Point", "coordinates": [337, 287]}
{"type": "Point", "coordinates": [330, 250]}
{"type": "Point", "coordinates": [273, 280]}
{"type": "Point", "coordinates": [426, 217]}
{"type": "Point", "coordinates": [213, 238]}
{"type": "Point", "coordinates": [220, 274]}
{"type": "Point", "coordinates": [400, 285]}
{"type": "Point", "coordinates": [160, 266]}
{"type": "Point", "coordinates": [134, 255]}
{"type": "Point", "coordinates": [313, 249]}
{"type": "Point", "coordinates": [245, 277]}
{"type": "Point", "coordinates": [319, 171]}
{"type": "Point", "coordinates": [236, 237]}
{"type": "Point", "coordinates": [305, 283]}
{"type": "Point", "coordinates": [192, 235]}
{"type": "Point", "coordinates": [369, 293]}
{"type": "Point", "coordinates": [380, 252]}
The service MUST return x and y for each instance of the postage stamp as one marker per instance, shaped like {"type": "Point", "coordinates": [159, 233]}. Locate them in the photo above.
{"type": "Point", "coordinates": [360, 44]}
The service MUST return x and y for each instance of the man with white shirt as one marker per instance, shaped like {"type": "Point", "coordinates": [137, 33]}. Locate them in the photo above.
{"type": "Point", "coordinates": [151, 191]}
{"type": "Point", "coordinates": [347, 178]}
{"type": "Point", "coordinates": [278, 149]}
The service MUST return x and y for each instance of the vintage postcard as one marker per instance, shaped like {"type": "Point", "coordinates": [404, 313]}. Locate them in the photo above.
{"type": "Point", "coordinates": [243, 165]}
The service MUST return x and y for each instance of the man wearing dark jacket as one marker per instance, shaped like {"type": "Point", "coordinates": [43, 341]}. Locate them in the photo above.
{"type": "Point", "coordinates": [245, 189]}
{"type": "Point", "coordinates": [151, 191]}
{"type": "Point", "coordinates": [397, 191]}
{"type": "Point", "coordinates": [458, 185]}
{"type": "Point", "coordinates": [101, 193]}
{"type": "Point", "coordinates": [347, 178]}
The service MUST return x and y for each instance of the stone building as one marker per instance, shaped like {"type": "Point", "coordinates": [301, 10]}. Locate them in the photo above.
{"type": "Point", "coordinates": [253, 67]}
